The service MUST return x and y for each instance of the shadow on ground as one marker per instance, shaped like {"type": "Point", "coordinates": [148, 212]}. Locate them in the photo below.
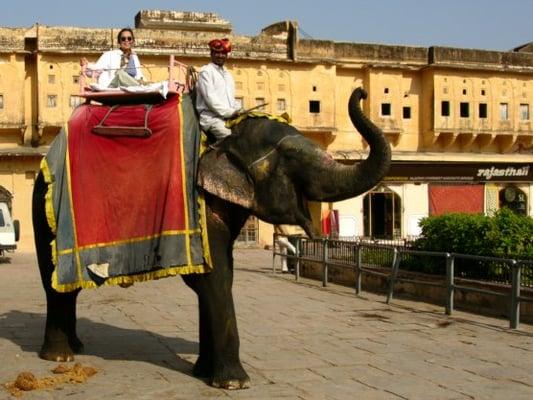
{"type": "Point", "coordinates": [109, 342]}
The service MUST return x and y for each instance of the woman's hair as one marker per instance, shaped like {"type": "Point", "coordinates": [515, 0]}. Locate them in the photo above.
{"type": "Point", "coordinates": [125, 30]}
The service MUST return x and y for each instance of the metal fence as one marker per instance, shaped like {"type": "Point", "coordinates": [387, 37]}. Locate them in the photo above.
{"type": "Point", "coordinates": [383, 258]}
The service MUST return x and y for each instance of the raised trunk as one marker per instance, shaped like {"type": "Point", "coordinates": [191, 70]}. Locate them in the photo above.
{"type": "Point", "coordinates": [333, 181]}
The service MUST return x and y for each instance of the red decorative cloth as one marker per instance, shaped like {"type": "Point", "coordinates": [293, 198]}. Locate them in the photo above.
{"type": "Point", "coordinates": [125, 207]}
{"type": "Point", "coordinates": [118, 189]}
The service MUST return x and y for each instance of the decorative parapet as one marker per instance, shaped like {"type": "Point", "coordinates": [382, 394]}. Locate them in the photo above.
{"type": "Point", "coordinates": [182, 20]}
{"type": "Point", "coordinates": [186, 34]}
{"type": "Point", "coordinates": [481, 59]}
{"type": "Point", "coordinates": [158, 42]}
{"type": "Point", "coordinates": [72, 39]}
{"type": "Point", "coordinates": [361, 53]}
{"type": "Point", "coordinates": [12, 40]}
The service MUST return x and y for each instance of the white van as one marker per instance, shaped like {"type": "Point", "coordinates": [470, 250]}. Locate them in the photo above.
{"type": "Point", "coordinates": [9, 229]}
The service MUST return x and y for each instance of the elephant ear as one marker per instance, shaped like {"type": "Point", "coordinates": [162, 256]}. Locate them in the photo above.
{"type": "Point", "coordinates": [218, 175]}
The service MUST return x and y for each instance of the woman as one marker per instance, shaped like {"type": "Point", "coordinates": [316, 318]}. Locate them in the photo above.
{"type": "Point", "coordinates": [119, 67]}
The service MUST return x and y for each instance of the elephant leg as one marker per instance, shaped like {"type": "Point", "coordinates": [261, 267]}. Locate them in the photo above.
{"type": "Point", "coordinates": [219, 339]}
{"type": "Point", "coordinates": [203, 367]}
{"type": "Point", "coordinates": [60, 338]}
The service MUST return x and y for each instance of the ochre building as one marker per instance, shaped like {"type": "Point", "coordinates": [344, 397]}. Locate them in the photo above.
{"type": "Point", "coordinates": [459, 120]}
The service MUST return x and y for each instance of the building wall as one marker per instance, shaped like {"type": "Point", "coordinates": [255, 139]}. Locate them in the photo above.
{"type": "Point", "coordinates": [39, 69]}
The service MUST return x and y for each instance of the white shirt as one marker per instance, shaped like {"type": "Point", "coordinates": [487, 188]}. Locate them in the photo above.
{"type": "Point", "coordinates": [109, 64]}
{"type": "Point", "coordinates": [216, 95]}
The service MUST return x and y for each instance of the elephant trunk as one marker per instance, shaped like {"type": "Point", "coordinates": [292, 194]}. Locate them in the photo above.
{"type": "Point", "coordinates": [333, 181]}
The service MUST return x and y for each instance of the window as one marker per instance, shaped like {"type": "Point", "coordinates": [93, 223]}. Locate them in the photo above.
{"type": "Point", "coordinates": [504, 111]}
{"type": "Point", "coordinates": [314, 88]}
{"type": "Point", "coordinates": [482, 110]}
{"type": "Point", "coordinates": [483, 92]}
{"type": "Point", "coordinates": [239, 102]}
{"type": "Point", "coordinates": [1, 101]}
{"type": "Point", "coordinates": [445, 108]}
{"type": "Point", "coordinates": [464, 91]}
{"type": "Point", "coordinates": [524, 112]}
{"type": "Point", "coordinates": [314, 106]}
{"type": "Point", "coordinates": [75, 79]}
{"type": "Point", "coordinates": [465, 110]}
{"type": "Point", "coordinates": [281, 105]}
{"type": "Point", "coordinates": [514, 199]}
{"type": "Point", "coordinates": [385, 109]}
{"type": "Point", "coordinates": [51, 101]}
{"type": "Point", "coordinates": [407, 112]}
{"type": "Point", "coordinates": [260, 101]}
{"type": "Point", "coordinates": [386, 90]}
{"type": "Point", "coordinates": [75, 101]}
{"type": "Point", "coordinates": [2, 220]}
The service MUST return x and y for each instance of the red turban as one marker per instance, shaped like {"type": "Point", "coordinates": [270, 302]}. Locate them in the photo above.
{"type": "Point", "coordinates": [220, 45]}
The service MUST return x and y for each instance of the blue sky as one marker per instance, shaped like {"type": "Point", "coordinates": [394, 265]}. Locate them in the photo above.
{"type": "Point", "coordinates": [482, 24]}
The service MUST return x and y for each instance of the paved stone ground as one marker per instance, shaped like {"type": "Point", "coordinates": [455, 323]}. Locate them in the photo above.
{"type": "Point", "coordinates": [298, 341]}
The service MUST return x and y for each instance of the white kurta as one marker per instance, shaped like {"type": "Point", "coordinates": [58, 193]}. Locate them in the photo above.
{"type": "Point", "coordinates": [216, 96]}
{"type": "Point", "coordinates": [109, 64]}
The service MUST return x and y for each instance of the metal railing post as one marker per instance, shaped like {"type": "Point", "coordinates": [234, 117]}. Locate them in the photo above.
{"type": "Point", "coordinates": [394, 274]}
{"type": "Point", "coordinates": [297, 267]}
{"type": "Point", "coordinates": [515, 295]}
{"type": "Point", "coordinates": [358, 269]}
{"type": "Point", "coordinates": [324, 262]}
{"type": "Point", "coordinates": [450, 289]}
{"type": "Point", "coordinates": [274, 253]}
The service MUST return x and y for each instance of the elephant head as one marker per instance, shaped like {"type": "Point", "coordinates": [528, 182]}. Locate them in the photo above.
{"type": "Point", "coordinates": [271, 169]}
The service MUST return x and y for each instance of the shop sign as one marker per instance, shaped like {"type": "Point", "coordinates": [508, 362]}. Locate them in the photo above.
{"type": "Point", "coordinates": [460, 172]}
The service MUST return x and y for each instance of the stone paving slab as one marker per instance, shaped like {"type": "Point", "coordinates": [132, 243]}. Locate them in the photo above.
{"type": "Point", "coordinates": [298, 341]}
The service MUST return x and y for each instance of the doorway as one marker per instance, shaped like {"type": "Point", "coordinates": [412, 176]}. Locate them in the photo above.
{"type": "Point", "coordinates": [382, 214]}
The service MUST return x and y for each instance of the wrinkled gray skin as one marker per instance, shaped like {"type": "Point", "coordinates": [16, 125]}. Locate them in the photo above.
{"type": "Point", "coordinates": [265, 168]}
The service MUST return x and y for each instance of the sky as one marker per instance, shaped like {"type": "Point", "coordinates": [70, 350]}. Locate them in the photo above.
{"type": "Point", "coordinates": [481, 24]}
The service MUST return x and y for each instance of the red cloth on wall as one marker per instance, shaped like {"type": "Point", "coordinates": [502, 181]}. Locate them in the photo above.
{"type": "Point", "coordinates": [456, 198]}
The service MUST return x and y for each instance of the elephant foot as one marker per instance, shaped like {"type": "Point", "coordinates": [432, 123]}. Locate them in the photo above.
{"type": "Point", "coordinates": [231, 378]}
{"type": "Point", "coordinates": [203, 368]}
{"type": "Point", "coordinates": [56, 351]}
{"type": "Point", "coordinates": [76, 345]}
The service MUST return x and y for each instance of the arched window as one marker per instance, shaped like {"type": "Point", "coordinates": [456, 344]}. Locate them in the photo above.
{"type": "Point", "coordinates": [382, 214]}
{"type": "Point", "coordinates": [514, 199]}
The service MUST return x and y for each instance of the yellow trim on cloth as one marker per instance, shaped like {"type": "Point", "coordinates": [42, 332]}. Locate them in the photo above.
{"type": "Point", "coordinates": [283, 118]}
{"type": "Point", "coordinates": [49, 206]}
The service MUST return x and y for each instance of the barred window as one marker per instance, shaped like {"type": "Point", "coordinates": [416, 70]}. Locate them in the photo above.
{"type": "Point", "coordinates": [260, 101]}
{"type": "Point", "coordinates": [75, 101]}
{"type": "Point", "coordinates": [504, 111]}
{"type": "Point", "coordinates": [524, 112]}
{"type": "Point", "coordinates": [51, 101]}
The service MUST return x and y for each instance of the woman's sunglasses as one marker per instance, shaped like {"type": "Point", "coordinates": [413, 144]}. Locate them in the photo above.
{"type": "Point", "coordinates": [126, 39]}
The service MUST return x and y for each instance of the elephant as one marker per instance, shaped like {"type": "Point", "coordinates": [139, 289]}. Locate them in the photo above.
{"type": "Point", "coordinates": [265, 168]}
